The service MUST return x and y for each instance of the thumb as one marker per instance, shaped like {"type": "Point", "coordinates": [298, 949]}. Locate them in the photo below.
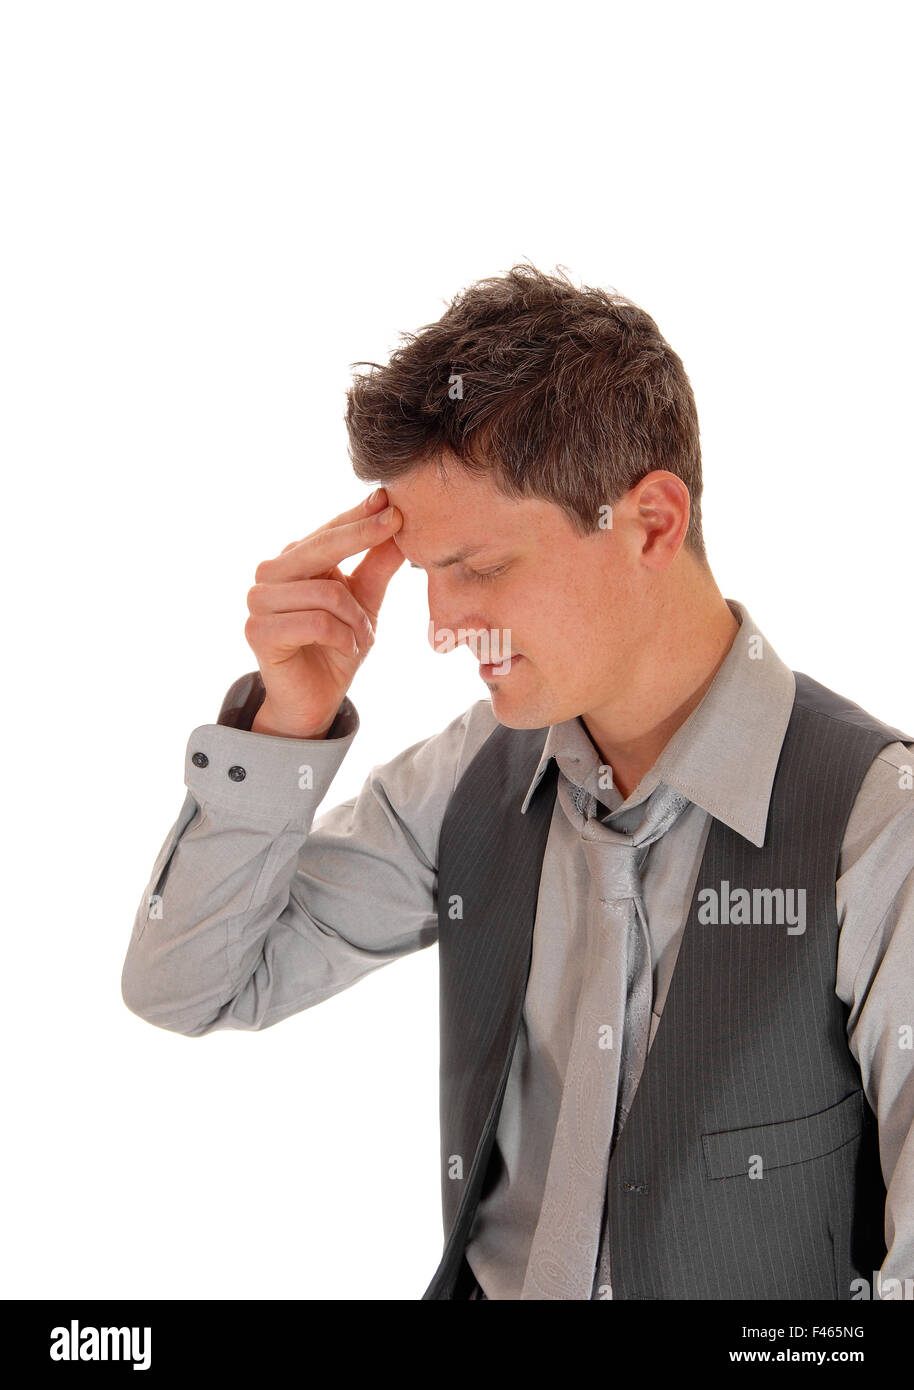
{"type": "Point", "coordinates": [369, 580]}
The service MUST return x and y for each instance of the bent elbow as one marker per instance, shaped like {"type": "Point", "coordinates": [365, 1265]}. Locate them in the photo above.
{"type": "Point", "coordinates": [161, 1013]}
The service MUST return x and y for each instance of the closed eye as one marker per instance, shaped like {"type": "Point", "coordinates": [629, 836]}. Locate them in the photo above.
{"type": "Point", "coordinates": [482, 575]}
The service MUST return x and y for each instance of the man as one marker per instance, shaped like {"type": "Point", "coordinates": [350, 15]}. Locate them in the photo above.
{"type": "Point", "coordinates": [671, 881]}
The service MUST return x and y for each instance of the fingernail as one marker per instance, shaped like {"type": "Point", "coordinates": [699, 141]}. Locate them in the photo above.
{"type": "Point", "coordinates": [375, 497]}
{"type": "Point", "coordinates": [386, 515]}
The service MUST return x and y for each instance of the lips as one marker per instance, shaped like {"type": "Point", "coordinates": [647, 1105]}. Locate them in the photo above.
{"type": "Point", "coordinates": [497, 668]}
{"type": "Point", "coordinates": [481, 649]}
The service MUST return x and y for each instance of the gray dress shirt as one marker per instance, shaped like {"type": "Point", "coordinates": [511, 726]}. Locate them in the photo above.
{"type": "Point", "coordinates": [256, 910]}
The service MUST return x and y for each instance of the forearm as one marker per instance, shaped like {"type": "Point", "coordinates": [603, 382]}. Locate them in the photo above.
{"type": "Point", "coordinates": [221, 880]}
{"type": "Point", "coordinates": [209, 938]}
{"type": "Point", "coordinates": [255, 910]}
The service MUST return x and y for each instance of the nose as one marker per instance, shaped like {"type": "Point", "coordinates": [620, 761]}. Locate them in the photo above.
{"type": "Point", "coordinates": [450, 627]}
{"type": "Point", "coordinates": [453, 624]}
{"type": "Point", "coordinates": [487, 643]}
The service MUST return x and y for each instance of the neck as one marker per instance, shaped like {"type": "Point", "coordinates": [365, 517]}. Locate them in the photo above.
{"type": "Point", "coordinates": [685, 645]}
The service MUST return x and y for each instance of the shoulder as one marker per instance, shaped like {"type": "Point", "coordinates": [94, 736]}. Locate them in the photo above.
{"type": "Point", "coordinates": [439, 760]}
{"type": "Point", "coordinates": [884, 807]}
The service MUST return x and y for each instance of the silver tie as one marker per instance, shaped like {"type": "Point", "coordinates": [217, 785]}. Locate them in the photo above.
{"type": "Point", "coordinates": [612, 1027]}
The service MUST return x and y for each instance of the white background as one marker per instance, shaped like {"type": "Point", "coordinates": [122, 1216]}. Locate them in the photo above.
{"type": "Point", "coordinates": [211, 210]}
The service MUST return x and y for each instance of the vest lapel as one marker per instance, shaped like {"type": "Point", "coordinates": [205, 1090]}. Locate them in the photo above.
{"type": "Point", "coordinates": [490, 862]}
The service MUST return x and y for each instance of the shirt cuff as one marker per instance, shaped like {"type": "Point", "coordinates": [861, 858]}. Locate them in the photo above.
{"type": "Point", "coordinates": [260, 777]}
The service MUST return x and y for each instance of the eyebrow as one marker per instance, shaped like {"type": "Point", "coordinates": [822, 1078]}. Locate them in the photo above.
{"type": "Point", "coordinates": [455, 559]}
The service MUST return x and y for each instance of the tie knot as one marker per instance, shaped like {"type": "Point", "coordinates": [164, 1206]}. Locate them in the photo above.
{"type": "Point", "coordinates": [615, 856]}
{"type": "Point", "coordinates": [619, 870]}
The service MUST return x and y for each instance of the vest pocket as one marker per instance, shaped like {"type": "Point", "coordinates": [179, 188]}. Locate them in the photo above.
{"type": "Point", "coordinates": [732, 1153]}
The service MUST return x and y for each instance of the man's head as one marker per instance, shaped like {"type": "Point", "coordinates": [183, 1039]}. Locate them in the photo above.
{"type": "Point", "coordinates": [554, 427]}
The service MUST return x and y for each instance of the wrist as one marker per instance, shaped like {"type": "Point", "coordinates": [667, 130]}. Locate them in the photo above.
{"type": "Point", "coordinates": [266, 721]}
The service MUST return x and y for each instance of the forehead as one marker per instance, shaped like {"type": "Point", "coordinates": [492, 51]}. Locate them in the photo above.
{"type": "Point", "coordinates": [446, 520]}
{"type": "Point", "coordinates": [451, 518]}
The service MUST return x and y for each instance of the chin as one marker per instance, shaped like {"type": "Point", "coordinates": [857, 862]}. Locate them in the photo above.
{"type": "Point", "coordinates": [515, 713]}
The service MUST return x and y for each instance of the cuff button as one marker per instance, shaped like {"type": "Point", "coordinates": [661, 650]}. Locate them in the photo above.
{"type": "Point", "coordinates": [200, 760]}
{"type": "Point", "coordinates": [237, 774]}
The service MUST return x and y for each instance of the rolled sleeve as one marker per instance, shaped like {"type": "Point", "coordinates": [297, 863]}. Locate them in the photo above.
{"type": "Point", "coordinates": [256, 911]}
{"type": "Point", "coordinates": [264, 779]}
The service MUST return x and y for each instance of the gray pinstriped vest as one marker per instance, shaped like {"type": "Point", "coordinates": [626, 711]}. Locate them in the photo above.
{"type": "Point", "coordinates": [750, 1060]}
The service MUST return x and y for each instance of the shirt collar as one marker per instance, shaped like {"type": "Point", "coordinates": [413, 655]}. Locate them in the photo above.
{"type": "Point", "coordinates": [723, 758]}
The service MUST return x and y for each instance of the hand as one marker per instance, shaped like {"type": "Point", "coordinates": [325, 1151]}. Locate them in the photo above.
{"type": "Point", "coordinates": [311, 626]}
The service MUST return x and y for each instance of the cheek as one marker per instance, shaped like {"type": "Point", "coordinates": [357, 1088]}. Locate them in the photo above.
{"type": "Point", "coordinates": [569, 617]}
{"type": "Point", "coordinates": [560, 648]}
{"type": "Point", "coordinates": [558, 620]}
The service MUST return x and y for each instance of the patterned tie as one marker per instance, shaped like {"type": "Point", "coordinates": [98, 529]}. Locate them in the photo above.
{"type": "Point", "coordinates": [612, 1027]}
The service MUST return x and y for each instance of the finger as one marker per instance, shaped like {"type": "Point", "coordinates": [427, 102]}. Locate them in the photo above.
{"type": "Point", "coordinates": [275, 637]}
{"type": "Point", "coordinates": [335, 573]}
{"type": "Point", "coordinates": [369, 506]}
{"type": "Point", "coordinates": [317, 554]}
{"type": "Point", "coordinates": [302, 595]}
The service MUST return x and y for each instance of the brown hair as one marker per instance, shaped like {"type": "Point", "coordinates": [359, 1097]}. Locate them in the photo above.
{"type": "Point", "coordinates": [570, 395]}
